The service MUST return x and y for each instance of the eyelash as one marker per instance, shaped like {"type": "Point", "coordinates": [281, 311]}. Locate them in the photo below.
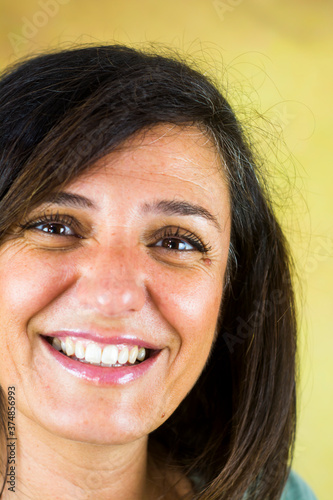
{"type": "Point", "coordinates": [164, 233]}
{"type": "Point", "coordinates": [66, 220]}
{"type": "Point", "coordinates": [181, 234]}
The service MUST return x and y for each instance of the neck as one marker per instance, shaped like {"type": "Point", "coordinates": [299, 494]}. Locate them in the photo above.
{"type": "Point", "coordinates": [49, 466]}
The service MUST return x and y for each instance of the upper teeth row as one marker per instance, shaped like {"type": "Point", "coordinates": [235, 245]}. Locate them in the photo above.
{"type": "Point", "coordinates": [93, 353]}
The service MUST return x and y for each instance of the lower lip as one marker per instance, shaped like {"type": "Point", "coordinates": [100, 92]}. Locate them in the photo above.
{"type": "Point", "coordinates": [101, 375]}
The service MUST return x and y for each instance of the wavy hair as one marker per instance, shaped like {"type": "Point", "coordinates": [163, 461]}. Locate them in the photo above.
{"type": "Point", "coordinates": [233, 434]}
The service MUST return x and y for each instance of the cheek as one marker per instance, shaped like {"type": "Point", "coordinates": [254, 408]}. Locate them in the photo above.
{"type": "Point", "coordinates": [28, 283]}
{"type": "Point", "coordinates": [190, 302]}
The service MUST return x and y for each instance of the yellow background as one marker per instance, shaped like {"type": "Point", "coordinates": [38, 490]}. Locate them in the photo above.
{"type": "Point", "coordinates": [274, 60]}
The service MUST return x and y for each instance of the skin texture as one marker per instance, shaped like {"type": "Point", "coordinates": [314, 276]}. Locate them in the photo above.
{"type": "Point", "coordinates": [116, 279]}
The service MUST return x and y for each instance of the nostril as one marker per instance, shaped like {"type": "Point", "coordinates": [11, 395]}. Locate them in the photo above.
{"type": "Point", "coordinates": [111, 297]}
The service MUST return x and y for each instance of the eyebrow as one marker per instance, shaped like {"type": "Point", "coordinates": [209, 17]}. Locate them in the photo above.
{"type": "Point", "coordinates": [69, 199]}
{"type": "Point", "coordinates": [174, 207]}
{"type": "Point", "coordinates": [166, 207]}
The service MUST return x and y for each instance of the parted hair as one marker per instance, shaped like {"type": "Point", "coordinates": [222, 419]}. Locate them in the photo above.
{"type": "Point", "coordinates": [233, 434]}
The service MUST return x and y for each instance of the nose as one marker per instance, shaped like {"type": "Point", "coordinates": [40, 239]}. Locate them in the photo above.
{"type": "Point", "coordinates": [111, 283]}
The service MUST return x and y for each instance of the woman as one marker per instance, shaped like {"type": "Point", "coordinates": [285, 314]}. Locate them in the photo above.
{"type": "Point", "coordinates": [147, 312]}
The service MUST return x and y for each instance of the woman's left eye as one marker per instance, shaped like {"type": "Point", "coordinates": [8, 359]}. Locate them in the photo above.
{"type": "Point", "coordinates": [174, 244]}
{"type": "Point", "coordinates": [177, 239]}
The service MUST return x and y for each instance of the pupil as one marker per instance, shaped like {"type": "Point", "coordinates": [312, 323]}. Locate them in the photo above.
{"type": "Point", "coordinates": [170, 243]}
{"type": "Point", "coordinates": [53, 228]}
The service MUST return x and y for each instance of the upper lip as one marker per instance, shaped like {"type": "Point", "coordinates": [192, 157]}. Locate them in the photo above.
{"type": "Point", "coordinates": [115, 338]}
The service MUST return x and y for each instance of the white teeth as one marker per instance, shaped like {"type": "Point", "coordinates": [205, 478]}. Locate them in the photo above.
{"type": "Point", "coordinates": [133, 354]}
{"type": "Point", "coordinates": [110, 355]}
{"type": "Point", "coordinates": [123, 356]}
{"type": "Point", "coordinates": [79, 350]}
{"type": "Point", "coordinates": [70, 347]}
{"type": "Point", "coordinates": [93, 353]}
{"type": "Point", "coordinates": [56, 343]}
{"type": "Point", "coordinates": [141, 354]}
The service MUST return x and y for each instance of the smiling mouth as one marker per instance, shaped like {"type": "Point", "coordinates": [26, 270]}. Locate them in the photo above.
{"type": "Point", "coordinates": [107, 355]}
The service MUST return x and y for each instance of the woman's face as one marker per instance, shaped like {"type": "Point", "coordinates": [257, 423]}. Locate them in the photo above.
{"type": "Point", "coordinates": [121, 264]}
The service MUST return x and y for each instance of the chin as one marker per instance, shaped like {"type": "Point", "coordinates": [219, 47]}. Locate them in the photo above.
{"type": "Point", "coordinates": [100, 427]}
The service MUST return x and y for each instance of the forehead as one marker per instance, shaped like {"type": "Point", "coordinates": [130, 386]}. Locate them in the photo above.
{"type": "Point", "coordinates": [170, 157]}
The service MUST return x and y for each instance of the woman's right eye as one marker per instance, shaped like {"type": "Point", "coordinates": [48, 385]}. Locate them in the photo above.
{"type": "Point", "coordinates": [62, 225]}
{"type": "Point", "coordinates": [55, 228]}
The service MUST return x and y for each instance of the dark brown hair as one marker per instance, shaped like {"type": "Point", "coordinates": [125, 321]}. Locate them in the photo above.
{"type": "Point", "coordinates": [59, 113]}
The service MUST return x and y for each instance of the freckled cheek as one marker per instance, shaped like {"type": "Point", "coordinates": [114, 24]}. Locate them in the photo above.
{"type": "Point", "coordinates": [28, 285]}
{"type": "Point", "coordinates": [191, 305]}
